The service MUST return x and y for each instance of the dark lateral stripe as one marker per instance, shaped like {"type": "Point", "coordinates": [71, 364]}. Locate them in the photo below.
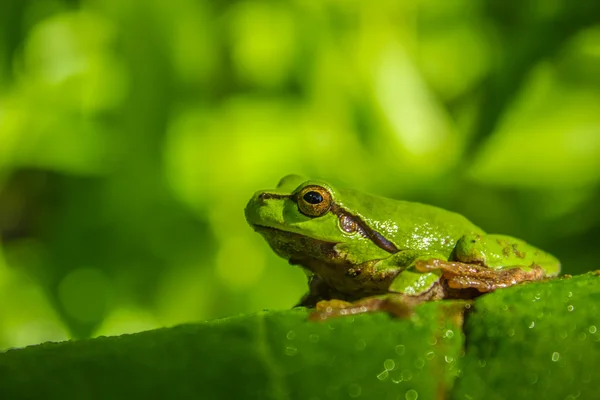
{"type": "Point", "coordinates": [265, 196]}
{"type": "Point", "coordinates": [371, 233]}
{"type": "Point", "coordinates": [382, 242]}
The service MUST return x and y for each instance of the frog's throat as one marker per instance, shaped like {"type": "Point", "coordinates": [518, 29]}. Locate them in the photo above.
{"type": "Point", "coordinates": [363, 228]}
{"type": "Point", "coordinates": [295, 246]}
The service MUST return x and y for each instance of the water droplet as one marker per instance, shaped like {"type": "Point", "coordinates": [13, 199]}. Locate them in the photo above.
{"type": "Point", "coordinates": [482, 363]}
{"type": "Point", "coordinates": [570, 307]}
{"type": "Point", "coordinates": [570, 294]}
{"type": "Point", "coordinates": [383, 375]}
{"type": "Point", "coordinates": [291, 335]}
{"type": "Point", "coordinates": [449, 359]}
{"type": "Point", "coordinates": [573, 396]}
{"type": "Point", "coordinates": [505, 307]}
{"type": "Point", "coordinates": [313, 338]}
{"type": "Point", "coordinates": [430, 355]}
{"type": "Point", "coordinates": [555, 356]}
{"type": "Point", "coordinates": [354, 390]}
{"type": "Point", "coordinates": [531, 325]}
{"type": "Point", "coordinates": [449, 334]}
{"type": "Point", "coordinates": [406, 375]}
{"type": "Point", "coordinates": [400, 349]}
{"type": "Point", "coordinates": [411, 394]}
{"type": "Point", "coordinates": [533, 379]}
{"type": "Point", "coordinates": [581, 336]}
{"type": "Point", "coordinates": [433, 341]}
{"type": "Point", "coordinates": [592, 329]}
{"type": "Point", "coordinates": [563, 334]}
{"type": "Point", "coordinates": [291, 351]}
{"type": "Point", "coordinates": [389, 364]}
{"type": "Point", "coordinates": [361, 344]}
{"type": "Point", "coordinates": [511, 332]}
{"type": "Point", "coordinates": [419, 363]}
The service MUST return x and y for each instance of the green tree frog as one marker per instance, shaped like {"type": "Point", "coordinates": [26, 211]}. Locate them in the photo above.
{"type": "Point", "coordinates": [365, 253]}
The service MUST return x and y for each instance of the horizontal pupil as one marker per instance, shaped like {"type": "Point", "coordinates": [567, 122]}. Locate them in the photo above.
{"type": "Point", "coordinates": [313, 198]}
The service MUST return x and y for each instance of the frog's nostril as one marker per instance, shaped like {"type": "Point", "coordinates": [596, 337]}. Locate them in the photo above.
{"type": "Point", "coordinates": [262, 197]}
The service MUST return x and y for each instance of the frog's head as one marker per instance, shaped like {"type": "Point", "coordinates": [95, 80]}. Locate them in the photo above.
{"type": "Point", "coordinates": [306, 220]}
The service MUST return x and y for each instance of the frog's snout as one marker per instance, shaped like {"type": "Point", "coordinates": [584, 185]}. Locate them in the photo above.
{"type": "Point", "coordinates": [259, 199]}
{"type": "Point", "coordinates": [262, 206]}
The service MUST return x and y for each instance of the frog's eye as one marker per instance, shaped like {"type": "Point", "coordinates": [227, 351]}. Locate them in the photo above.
{"type": "Point", "coordinates": [313, 201]}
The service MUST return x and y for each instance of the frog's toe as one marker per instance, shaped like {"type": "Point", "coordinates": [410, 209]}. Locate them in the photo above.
{"type": "Point", "coordinates": [329, 305]}
{"type": "Point", "coordinates": [453, 268]}
{"type": "Point", "coordinates": [327, 309]}
{"type": "Point", "coordinates": [392, 304]}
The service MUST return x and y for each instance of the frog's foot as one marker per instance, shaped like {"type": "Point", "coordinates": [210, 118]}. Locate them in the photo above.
{"type": "Point", "coordinates": [458, 275]}
{"type": "Point", "coordinates": [394, 304]}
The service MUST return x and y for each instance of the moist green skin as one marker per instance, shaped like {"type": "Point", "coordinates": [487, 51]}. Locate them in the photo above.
{"type": "Point", "coordinates": [391, 236]}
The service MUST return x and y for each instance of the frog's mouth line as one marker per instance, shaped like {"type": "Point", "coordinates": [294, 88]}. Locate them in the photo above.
{"type": "Point", "coordinates": [374, 236]}
{"type": "Point", "coordinates": [282, 232]}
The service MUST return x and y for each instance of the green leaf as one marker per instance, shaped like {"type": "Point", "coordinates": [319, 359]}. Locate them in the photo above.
{"type": "Point", "coordinates": [269, 355]}
{"type": "Point", "coordinates": [539, 340]}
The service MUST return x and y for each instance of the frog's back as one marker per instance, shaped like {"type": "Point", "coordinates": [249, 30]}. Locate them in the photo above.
{"type": "Point", "coordinates": [410, 225]}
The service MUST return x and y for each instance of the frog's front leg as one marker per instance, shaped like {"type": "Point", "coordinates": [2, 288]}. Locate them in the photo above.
{"type": "Point", "coordinates": [403, 287]}
{"type": "Point", "coordinates": [489, 262]}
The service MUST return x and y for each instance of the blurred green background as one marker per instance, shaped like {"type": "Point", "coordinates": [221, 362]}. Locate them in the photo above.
{"type": "Point", "coordinates": [132, 133]}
